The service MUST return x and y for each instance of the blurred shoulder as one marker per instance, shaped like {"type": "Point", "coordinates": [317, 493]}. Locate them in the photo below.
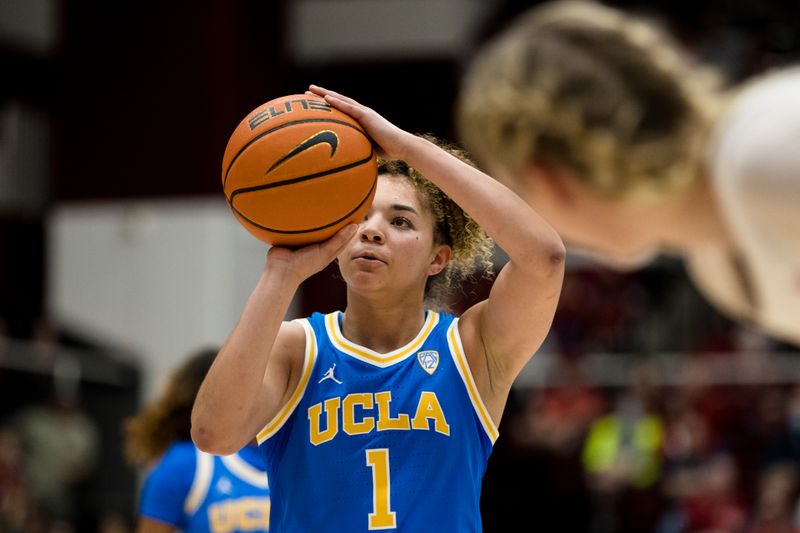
{"type": "Point", "coordinates": [180, 456]}
{"type": "Point", "coordinates": [754, 162]}
{"type": "Point", "coordinates": [763, 115]}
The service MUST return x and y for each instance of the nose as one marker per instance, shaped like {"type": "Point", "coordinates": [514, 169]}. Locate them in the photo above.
{"type": "Point", "coordinates": [370, 232]}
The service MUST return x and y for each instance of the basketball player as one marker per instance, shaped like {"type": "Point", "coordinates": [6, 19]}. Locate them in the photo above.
{"type": "Point", "coordinates": [187, 489]}
{"type": "Point", "coordinates": [603, 123]}
{"type": "Point", "coordinates": [382, 417]}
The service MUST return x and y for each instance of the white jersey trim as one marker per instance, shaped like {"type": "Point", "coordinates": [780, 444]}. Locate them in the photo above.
{"type": "Point", "coordinates": [203, 471]}
{"type": "Point", "coordinates": [381, 360]}
{"type": "Point", "coordinates": [245, 471]}
{"type": "Point", "coordinates": [308, 364]}
{"type": "Point", "coordinates": [462, 365]}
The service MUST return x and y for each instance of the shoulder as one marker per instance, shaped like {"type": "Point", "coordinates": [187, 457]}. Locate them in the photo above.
{"type": "Point", "coordinates": [294, 331]}
{"type": "Point", "coordinates": [777, 87]}
{"type": "Point", "coordinates": [761, 119]}
{"type": "Point", "coordinates": [291, 341]}
{"type": "Point", "coordinates": [168, 484]}
{"type": "Point", "coordinates": [296, 339]}
{"type": "Point", "coordinates": [754, 161]}
{"type": "Point", "coordinates": [313, 328]}
{"type": "Point", "coordinates": [180, 457]}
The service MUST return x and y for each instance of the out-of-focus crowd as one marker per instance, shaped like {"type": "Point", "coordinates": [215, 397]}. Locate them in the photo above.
{"type": "Point", "coordinates": [654, 414]}
{"type": "Point", "coordinates": [50, 448]}
{"type": "Point", "coordinates": [699, 456]}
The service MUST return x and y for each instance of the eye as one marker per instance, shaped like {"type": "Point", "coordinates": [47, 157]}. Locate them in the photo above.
{"type": "Point", "coordinates": [402, 222]}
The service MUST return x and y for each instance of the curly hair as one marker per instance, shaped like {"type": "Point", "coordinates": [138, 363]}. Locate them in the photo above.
{"type": "Point", "coordinates": [168, 419]}
{"type": "Point", "coordinates": [606, 95]}
{"type": "Point", "coordinates": [471, 246]}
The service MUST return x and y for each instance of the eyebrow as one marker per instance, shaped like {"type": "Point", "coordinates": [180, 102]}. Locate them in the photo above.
{"type": "Point", "coordinates": [401, 207]}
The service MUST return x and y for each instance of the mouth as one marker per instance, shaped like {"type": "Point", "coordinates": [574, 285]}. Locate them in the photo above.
{"type": "Point", "coordinates": [369, 258]}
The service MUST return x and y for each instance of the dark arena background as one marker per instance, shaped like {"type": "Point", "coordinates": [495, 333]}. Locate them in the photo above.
{"type": "Point", "coordinates": [118, 257]}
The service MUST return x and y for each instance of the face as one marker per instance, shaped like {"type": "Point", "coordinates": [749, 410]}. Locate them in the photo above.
{"type": "Point", "coordinates": [394, 248]}
{"type": "Point", "coordinates": [613, 232]}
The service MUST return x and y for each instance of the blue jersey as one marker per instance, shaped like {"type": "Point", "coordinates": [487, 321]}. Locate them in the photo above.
{"type": "Point", "coordinates": [201, 493]}
{"type": "Point", "coordinates": [370, 441]}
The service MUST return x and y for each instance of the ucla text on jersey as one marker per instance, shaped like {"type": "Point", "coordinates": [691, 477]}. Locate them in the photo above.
{"type": "Point", "coordinates": [227, 496]}
{"type": "Point", "coordinates": [372, 441]}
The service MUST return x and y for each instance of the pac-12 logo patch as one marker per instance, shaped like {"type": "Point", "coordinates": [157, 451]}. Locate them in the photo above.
{"type": "Point", "coordinates": [428, 360]}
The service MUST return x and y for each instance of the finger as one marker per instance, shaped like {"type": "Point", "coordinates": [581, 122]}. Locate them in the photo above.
{"type": "Point", "coordinates": [354, 111]}
{"type": "Point", "coordinates": [317, 90]}
{"type": "Point", "coordinates": [336, 244]}
{"type": "Point", "coordinates": [324, 92]}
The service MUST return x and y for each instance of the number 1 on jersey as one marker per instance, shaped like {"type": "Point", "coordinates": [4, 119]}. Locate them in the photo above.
{"type": "Point", "coordinates": [382, 517]}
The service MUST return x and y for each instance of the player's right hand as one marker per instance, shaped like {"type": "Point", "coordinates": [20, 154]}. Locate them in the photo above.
{"type": "Point", "coordinates": [302, 263]}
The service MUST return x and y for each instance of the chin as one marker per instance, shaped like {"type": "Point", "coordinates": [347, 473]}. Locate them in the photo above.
{"type": "Point", "coordinates": [363, 282]}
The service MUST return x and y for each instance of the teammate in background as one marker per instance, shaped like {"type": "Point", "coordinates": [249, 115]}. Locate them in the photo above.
{"type": "Point", "coordinates": [383, 416]}
{"type": "Point", "coordinates": [187, 489]}
{"type": "Point", "coordinates": [603, 123]}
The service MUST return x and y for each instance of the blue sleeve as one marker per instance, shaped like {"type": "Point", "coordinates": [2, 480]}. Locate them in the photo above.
{"type": "Point", "coordinates": [168, 484]}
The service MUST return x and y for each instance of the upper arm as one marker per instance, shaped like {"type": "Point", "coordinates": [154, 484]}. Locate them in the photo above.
{"type": "Point", "coordinates": [281, 376]}
{"type": "Point", "coordinates": [502, 333]}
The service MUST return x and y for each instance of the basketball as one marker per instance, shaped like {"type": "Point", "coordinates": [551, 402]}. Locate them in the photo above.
{"type": "Point", "coordinates": [296, 170]}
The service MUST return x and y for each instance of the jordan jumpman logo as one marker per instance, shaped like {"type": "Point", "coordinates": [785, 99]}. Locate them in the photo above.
{"type": "Point", "coordinates": [329, 375]}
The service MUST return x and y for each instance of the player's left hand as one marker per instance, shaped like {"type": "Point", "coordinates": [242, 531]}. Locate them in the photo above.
{"type": "Point", "coordinates": [392, 141]}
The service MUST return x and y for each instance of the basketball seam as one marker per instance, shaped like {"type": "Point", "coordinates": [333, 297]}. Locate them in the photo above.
{"type": "Point", "coordinates": [308, 230]}
{"type": "Point", "coordinates": [302, 178]}
{"type": "Point", "coordinates": [276, 128]}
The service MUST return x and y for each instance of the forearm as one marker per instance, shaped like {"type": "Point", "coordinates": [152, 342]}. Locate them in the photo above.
{"type": "Point", "coordinates": [224, 408]}
{"type": "Point", "coordinates": [527, 239]}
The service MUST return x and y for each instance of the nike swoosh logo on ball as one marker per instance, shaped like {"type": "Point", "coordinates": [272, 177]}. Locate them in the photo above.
{"type": "Point", "coordinates": [321, 137]}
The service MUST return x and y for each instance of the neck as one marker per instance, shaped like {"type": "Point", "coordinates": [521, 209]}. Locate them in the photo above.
{"type": "Point", "coordinates": [382, 327]}
{"type": "Point", "coordinates": [694, 220]}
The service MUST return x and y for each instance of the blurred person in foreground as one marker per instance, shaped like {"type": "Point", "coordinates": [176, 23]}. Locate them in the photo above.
{"type": "Point", "coordinates": [605, 124]}
{"type": "Point", "coordinates": [187, 489]}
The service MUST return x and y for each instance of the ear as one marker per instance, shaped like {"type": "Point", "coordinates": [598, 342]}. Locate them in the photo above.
{"type": "Point", "coordinates": [440, 259]}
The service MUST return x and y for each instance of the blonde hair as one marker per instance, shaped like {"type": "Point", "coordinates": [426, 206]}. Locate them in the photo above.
{"type": "Point", "coordinates": [168, 419]}
{"type": "Point", "coordinates": [471, 246]}
{"type": "Point", "coordinates": [606, 95]}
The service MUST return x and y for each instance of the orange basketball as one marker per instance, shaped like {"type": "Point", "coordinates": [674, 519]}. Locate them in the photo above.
{"type": "Point", "coordinates": [296, 170]}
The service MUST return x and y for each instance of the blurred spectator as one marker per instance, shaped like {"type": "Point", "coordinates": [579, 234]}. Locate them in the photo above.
{"type": "Point", "coordinates": [622, 458]}
{"type": "Point", "coordinates": [715, 505]}
{"type": "Point", "coordinates": [785, 446]}
{"type": "Point", "coordinates": [687, 444]}
{"type": "Point", "coordinates": [60, 444]}
{"type": "Point", "coordinates": [777, 490]}
{"type": "Point", "coordinates": [14, 504]}
{"type": "Point", "coordinates": [561, 415]}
